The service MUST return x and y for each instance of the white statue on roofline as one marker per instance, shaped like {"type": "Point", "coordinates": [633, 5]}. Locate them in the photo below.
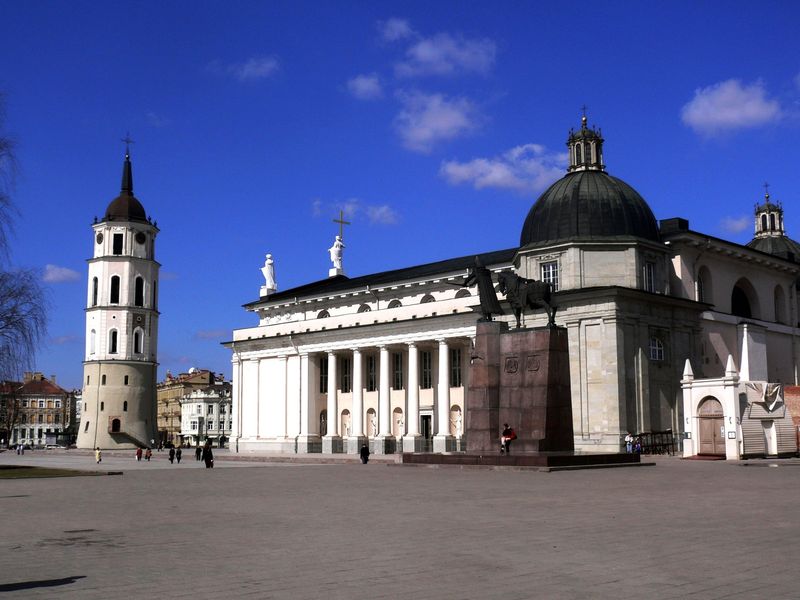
{"type": "Point", "coordinates": [268, 270]}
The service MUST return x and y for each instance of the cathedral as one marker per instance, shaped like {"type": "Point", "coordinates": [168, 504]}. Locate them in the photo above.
{"type": "Point", "coordinates": [384, 359]}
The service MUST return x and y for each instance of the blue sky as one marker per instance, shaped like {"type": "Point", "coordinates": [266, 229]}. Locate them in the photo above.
{"type": "Point", "coordinates": [434, 125]}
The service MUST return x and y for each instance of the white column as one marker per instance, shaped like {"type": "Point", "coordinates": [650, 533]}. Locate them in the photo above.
{"type": "Point", "coordinates": [332, 412]}
{"type": "Point", "coordinates": [440, 440]}
{"type": "Point", "coordinates": [357, 416]}
{"type": "Point", "coordinates": [305, 395]}
{"type": "Point", "coordinates": [385, 407]}
{"type": "Point", "coordinates": [331, 441]}
{"type": "Point", "coordinates": [412, 421]}
{"type": "Point", "coordinates": [412, 442]}
{"type": "Point", "coordinates": [308, 440]}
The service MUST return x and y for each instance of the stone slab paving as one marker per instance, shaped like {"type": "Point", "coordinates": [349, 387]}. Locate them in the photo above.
{"type": "Point", "coordinates": [681, 529]}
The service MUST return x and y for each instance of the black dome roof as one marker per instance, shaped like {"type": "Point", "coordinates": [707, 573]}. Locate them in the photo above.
{"type": "Point", "coordinates": [125, 207]}
{"type": "Point", "coordinates": [588, 206]}
{"type": "Point", "coordinates": [780, 246]}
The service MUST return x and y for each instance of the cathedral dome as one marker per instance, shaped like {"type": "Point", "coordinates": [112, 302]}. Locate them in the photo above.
{"type": "Point", "coordinates": [770, 233]}
{"type": "Point", "coordinates": [587, 204]}
{"type": "Point", "coordinates": [126, 207]}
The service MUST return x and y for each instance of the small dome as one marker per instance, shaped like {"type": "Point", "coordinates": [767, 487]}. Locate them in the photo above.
{"type": "Point", "coordinates": [780, 246]}
{"type": "Point", "coordinates": [588, 206]}
{"type": "Point", "coordinates": [125, 207]}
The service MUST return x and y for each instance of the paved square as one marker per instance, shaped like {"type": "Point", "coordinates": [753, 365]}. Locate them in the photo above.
{"type": "Point", "coordinates": [681, 529]}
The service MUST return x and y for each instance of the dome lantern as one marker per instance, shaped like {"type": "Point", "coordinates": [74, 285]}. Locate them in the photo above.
{"type": "Point", "coordinates": [585, 148]}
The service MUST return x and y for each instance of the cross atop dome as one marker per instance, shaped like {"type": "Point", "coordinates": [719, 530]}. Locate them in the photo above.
{"type": "Point", "coordinates": [769, 217]}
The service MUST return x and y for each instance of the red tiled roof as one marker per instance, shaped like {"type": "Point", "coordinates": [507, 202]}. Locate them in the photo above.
{"type": "Point", "coordinates": [40, 387]}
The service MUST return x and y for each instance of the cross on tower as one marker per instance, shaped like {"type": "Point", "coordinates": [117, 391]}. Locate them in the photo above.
{"type": "Point", "coordinates": [341, 223]}
{"type": "Point", "coordinates": [766, 190]}
{"type": "Point", "coordinates": [128, 141]}
{"type": "Point", "coordinates": [583, 108]}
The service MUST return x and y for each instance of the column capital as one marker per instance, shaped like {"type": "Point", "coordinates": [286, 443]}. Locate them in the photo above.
{"type": "Point", "coordinates": [411, 344]}
{"type": "Point", "coordinates": [442, 341]}
{"type": "Point", "coordinates": [355, 350]}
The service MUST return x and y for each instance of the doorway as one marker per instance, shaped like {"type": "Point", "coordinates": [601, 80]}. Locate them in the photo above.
{"type": "Point", "coordinates": [426, 430]}
{"type": "Point", "coordinates": [712, 428]}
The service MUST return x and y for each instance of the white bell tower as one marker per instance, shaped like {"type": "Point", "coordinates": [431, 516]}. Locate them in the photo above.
{"type": "Point", "coordinates": [119, 369]}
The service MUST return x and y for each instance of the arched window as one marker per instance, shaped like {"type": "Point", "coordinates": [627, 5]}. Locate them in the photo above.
{"type": "Point", "coordinates": [95, 285]}
{"type": "Point", "coordinates": [137, 341]}
{"type": "Point", "coordinates": [395, 304]}
{"type": "Point", "coordinates": [155, 295]}
{"type": "Point", "coordinates": [102, 380]}
{"type": "Point", "coordinates": [323, 314]}
{"type": "Point", "coordinates": [364, 308]}
{"type": "Point", "coordinates": [92, 341]}
{"type": "Point", "coordinates": [125, 406]}
{"type": "Point", "coordinates": [427, 298]}
{"type": "Point", "coordinates": [763, 222]}
{"type": "Point", "coordinates": [588, 152]}
{"type": "Point", "coordinates": [704, 286]}
{"type": "Point", "coordinates": [772, 221]}
{"type": "Point", "coordinates": [463, 294]}
{"type": "Point", "coordinates": [744, 300]}
{"type": "Point", "coordinates": [112, 341]}
{"type": "Point", "coordinates": [114, 289]}
{"type": "Point", "coordinates": [578, 154]}
{"type": "Point", "coordinates": [138, 297]}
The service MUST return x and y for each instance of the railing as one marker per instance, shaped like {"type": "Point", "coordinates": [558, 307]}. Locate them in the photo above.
{"type": "Point", "coordinates": [656, 442]}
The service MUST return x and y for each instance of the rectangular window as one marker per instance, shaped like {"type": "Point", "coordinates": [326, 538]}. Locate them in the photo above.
{"type": "Point", "coordinates": [397, 370]}
{"type": "Point", "coordinates": [345, 380]}
{"type": "Point", "coordinates": [24, 404]}
{"type": "Point", "coordinates": [198, 410]}
{"type": "Point", "coordinates": [323, 375]}
{"type": "Point", "coordinates": [117, 245]}
{"type": "Point", "coordinates": [549, 273]}
{"type": "Point", "coordinates": [58, 403]}
{"type": "Point", "coordinates": [193, 425]}
{"type": "Point", "coordinates": [49, 404]}
{"type": "Point", "coordinates": [86, 428]}
{"type": "Point", "coordinates": [222, 409]}
{"type": "Point", "coordinates": [372, 379]}
{"type": "Point", "coordinates": [41, 418]}
{"type": "Point", "coordinates": [126, 380]}
{"type": "Point", "coordinates": [455, 367]}
{"type": "Point", "coordinates": [425, 370]}
{"type": "Point", "coordinates": [210, 409]}
{"type": "Point", "coordinates": [649, 277]}
{"type": "Point", "coordinates": [41, 403]}
{"type": "Point", "coordinates": [114, 299]}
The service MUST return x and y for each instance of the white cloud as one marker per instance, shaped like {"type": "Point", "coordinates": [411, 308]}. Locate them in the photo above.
{"type": "Point", "coordinates": [157, 120]}
{"type": "Point", "coordinates": [735, 224]}
{"type": "Point", "coordinates": [395, 29]}
{"type": "Point", "coordinates": [365, 87]}
{"type": "Point", "coordinates": [382, 215]}
{"type": "Point", "coordinates": [62, 340]}
{"type": "Point", "coordinates": [168, 276]}
{"type": "Point", "coordinates": [427, 119]}
{"type": "Point", "coordinates": [253, 69]}
{"type": "Point", "coordinates": [729, 105]}
{"type": "Point", "coordinates": [355, 209]}
{"type": "Point", "coordinates": [526, 168]}
{"type": "Point", "coordinates": [443, 54]}
{"type": "Point", "coordinates": [56, 274]}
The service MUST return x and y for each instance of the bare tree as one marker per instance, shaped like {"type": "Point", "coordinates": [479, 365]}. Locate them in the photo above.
{"type": "Point", "coordinates": [23, 315]}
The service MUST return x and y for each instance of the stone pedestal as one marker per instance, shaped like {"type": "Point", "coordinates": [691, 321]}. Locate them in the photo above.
{"type": "Point", "coordinates": [309, 444]}
{"type": "Point", "coordinates": [413, 443]}
{"type": "Point", "coordinates": [519, 377]}
{"type": "Point", "coordinates": [384, 444]}
{"type": "Point", "coordinates": [444, 443]}
{"type": "Point", "coordinates": [354, 443]}
{"type": "Point", "coordinates": [332, 444]}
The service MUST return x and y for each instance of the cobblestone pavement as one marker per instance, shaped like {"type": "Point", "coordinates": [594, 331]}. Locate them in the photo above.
{"type": "Point", "coordinates": [681, 529]}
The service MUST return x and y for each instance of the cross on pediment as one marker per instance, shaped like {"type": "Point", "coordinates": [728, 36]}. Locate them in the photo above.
{"type": "Point", "coordinates": [341, 223]}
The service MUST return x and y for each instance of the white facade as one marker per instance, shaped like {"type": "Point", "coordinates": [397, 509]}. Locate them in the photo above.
{"type": "Point", "coordinates": [206, 415]}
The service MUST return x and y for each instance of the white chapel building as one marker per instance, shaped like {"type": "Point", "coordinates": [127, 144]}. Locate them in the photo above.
{"type": "Point", "coordinates": [384, 358]}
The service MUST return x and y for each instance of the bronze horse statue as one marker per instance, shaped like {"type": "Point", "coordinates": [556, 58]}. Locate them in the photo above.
{"type": "Point", "coordinates": [526, 293]}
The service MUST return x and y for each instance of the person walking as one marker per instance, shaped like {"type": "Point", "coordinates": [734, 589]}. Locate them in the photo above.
{"type": "Point", "coordinates": [148, 454]}
{"type": "Point", "coordinates": [364, 454]}
{"type": "Point", "coordinates": [208, 456]}
{"type": "Point", "coordinates": [139, 454]}
{"type": "Point", "coordinates": [97, 455]}
{"type": "Point", "coordinates": [171, 455]}
{"type": "Point", "coordinates": [508, 436]}
{"type": "Point", "coordinates": [178, 454]}
{"type": "Point", "coordinates": [198, 453]}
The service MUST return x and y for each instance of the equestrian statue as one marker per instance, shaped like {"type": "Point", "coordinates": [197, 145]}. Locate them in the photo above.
{"type": "Point", "coordinates": [526, 293]}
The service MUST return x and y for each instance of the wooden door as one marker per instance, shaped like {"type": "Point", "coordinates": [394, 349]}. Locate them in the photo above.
{"type": "Point", "coordinates": [712, 428]}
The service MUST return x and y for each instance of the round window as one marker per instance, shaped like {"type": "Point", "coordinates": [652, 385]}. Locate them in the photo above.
{"type": "Point", "coordinates": [99, 238]}
{"type": "Point", "coordinates": [140, 238]}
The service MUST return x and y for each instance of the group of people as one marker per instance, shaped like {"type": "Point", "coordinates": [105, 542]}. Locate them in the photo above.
{"type": "Point", "coordinates": [633, 444]}
{"type": "Point", "coordinates": [203, 453]}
